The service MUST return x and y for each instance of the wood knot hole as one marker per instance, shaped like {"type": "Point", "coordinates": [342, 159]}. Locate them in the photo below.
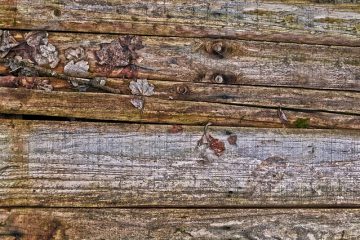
{"type": "Point", "coordinates": [57, 12]}
{"type": "Point", "coordinates": [182, 89]}
{"type": "Point", "coordinates": [218, 49]}
{"type": "Point", "coordinates": [219, 79]}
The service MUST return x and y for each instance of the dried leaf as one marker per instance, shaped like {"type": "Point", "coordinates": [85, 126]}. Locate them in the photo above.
{"type": "Point", "coordinates": [7, 42]}
{"type": "Point", "coordinates": [37, 38]}
{"type": "Point", "coordinates": [113, 55]}
{"type": "Point", "coordinates": [216, 145]}
{"type": "Point", "coordinates": [141, 87]}
{"type": "Point", "coordinates": [75, 54]}
{"type": "Point", "coordinates": [138, 103]}
{"type": "Point", "coordinates": [44, 53]}
{"type": "Point", "coordinates": [232, 139]}
{"type": "Point", "coordinates": [78, 69]}
{"type": "Point", "coordinates": [120, 52]}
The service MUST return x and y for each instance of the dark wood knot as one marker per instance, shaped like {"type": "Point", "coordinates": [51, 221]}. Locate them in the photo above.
{"type": "Point", "coordinates": [218, 49]}
{"type": "Point", "coordinates": [182, 89]}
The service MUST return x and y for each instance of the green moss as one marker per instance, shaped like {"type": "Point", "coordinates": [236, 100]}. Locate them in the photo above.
{"type": "Point", "coordinates": [258, 12]}
{"type": "Point", "coordinates": [302, 123]}
{"type": "Point", "coordinates": [329, 20]}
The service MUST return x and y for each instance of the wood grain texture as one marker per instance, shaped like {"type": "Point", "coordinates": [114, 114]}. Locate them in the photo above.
{"type": "Point", "coordinates": [270, 97]}
{"type": "Point", "coordinates": [111, 165]}
{"type": "Point", "coordinates": [101, 106]}
{"type": "Point", "coordinates": [242, 63]}
{"type": "Point", "coordinates": [245, 224]}
{"type": "Point", "coordinates": [314, 22]}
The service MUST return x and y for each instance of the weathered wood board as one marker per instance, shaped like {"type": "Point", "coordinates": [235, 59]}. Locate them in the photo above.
{"type": "Point", "coordinates": [155, 110]}
{"type": "Point", "coordinates": [209, 224]}
{"type": "Point", "coordinates": [316, 22]}
{"type": "Point", "coordinates": [240, 62]}
{"type": "Point", "coordinates": [78, 164]}
{"type": "Point", "coordinates": [117, 171]}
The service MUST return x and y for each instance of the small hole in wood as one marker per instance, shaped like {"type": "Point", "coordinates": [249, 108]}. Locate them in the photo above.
{"type": "Point", "coordinates": [57, 12]}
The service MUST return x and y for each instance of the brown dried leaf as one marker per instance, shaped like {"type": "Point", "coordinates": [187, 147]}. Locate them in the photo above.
{"type": "Point", "coordinates": [78, 69]}
{"type": "Point", "coordinates": [141, 87]}
{"type": "Point", "coordinates": [232, 139]}
{"type": "Point", "coordinates": [216, 145]}
{"type": "Point", "coordinates": [113, 55]}
{"type": "Point", "coordinates": [120, 52]}
{"type": "Point", "coordinates": [7, 42]}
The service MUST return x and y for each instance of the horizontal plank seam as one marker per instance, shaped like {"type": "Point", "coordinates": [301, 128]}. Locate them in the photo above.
{"type": "Point", "coordinates": [355, 207]}
{"type": "Point", "coordinates": [183, 37]}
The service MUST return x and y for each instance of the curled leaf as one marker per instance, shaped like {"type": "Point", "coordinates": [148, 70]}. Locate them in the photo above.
{"type": "Point", "coordinates": [78, 69]}
{"type": "Point", "coordinates": [7, 42]}
{"type": "Point", "coordinates": [141, 87]}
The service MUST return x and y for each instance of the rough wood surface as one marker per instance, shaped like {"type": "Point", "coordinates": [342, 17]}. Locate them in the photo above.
{"type": "Point", "coordinates": [95, 164]}
{"type": "Point", "coordinates": [245, 224]}
{"type": "Point", "coordinates": [271, 97]}
{"type": "Point", "coordinates": [241, 62]}
{"type": "Point", "coordinates": [316, 22]}
{"type": "Point", "coordinates": [101, 106]}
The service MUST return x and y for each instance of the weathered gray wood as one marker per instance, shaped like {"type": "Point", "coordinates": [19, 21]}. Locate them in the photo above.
{"type": "Point", "coordinates": [243, 63]}
{"type": "Point", "coordinates": [291, 21]}
{"type": "Point", "coordinates": [244, 224]}
{"type": "Point", "coordinates": [94, 164]}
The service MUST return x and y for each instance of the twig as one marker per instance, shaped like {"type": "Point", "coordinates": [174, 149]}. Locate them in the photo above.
{"type": "Point", "coordinates": [96, 82]}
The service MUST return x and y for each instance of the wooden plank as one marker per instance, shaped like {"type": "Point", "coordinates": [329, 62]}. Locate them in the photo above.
{"type": "Point", "coordinates": [243, 62]}
{"type": "Point", "coordinates": [286, 21]}
{"type": "Point", "coordinates": [78, 164]}
{"type": "Point", "coordinates": [43, 224]}
{"type": "Point", "coordinates": [120, 108]}
{"type": "Point", "coordinates": [287, 98]}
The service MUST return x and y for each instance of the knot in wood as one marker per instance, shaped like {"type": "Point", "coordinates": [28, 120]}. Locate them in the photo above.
{"type": "Point", "coordinates": [218, 48]}
{"type": "Point", "coordinates": [218, 78]}
{"type": "Point", "coordinates": [182, 89]}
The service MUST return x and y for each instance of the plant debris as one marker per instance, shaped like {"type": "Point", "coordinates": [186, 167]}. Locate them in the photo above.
{"type": "Point", "coordinates": [44, 53]}
{"type": "Point", "coordinates": [75, 54]}
{"type": "Point", "coordinates": [175, 129]}
{"type": "Point", "coordinates": [7, 42]}
{"type": "Point", "coordinates": [141, 87]}
{"type": "Point", "coordinates": [216, 145]}
{"type": "Point", "coordinates": [78, 69]}
{"type": "Point", "coordinates": [284, 120]}
{"type": "Point", "coordinates": [137, 102]}
{"type": "Point", "coordinates": [232, 139]}
{"type": "Point", "coordinates": [120, 52]}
